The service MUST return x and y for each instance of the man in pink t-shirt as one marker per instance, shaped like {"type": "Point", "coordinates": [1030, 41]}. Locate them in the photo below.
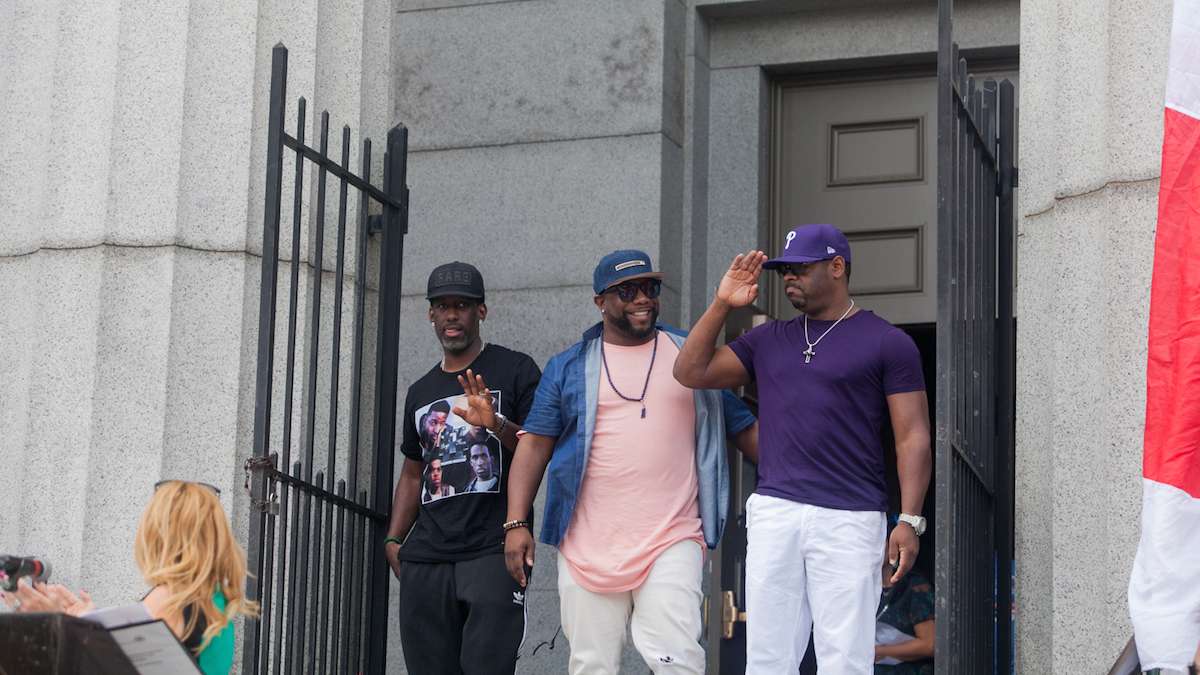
{"type": "Point", "coordinates": [638, 480]}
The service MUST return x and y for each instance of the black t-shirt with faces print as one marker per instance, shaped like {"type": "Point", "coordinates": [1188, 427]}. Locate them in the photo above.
{"type": "Point", "coordinates": [464, 474]}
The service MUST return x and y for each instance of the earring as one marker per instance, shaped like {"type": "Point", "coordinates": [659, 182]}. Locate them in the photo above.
{"type": "Point", "coordinates": [433, 324]}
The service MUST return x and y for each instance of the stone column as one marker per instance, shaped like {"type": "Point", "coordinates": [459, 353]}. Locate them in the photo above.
{"type": "Point", "coordinates": [130, 245]}
{"type": "Point", "coordinates": [1092, 84]}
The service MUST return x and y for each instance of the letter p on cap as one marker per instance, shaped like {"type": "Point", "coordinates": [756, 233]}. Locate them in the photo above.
{"type": "Point", "coordinates": [788, 242]}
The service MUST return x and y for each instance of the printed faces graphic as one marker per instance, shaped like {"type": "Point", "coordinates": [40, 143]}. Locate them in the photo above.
{"type": "Point", "coordinates": [460, 459]}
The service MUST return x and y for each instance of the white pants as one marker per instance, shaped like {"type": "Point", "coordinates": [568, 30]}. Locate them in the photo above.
{"type": "Point", "coordinates": [811, 569]}
{"type": "Point", "coordinates": [665, 625]}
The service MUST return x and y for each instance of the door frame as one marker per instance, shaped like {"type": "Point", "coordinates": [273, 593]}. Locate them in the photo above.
{"type": "Point", "coordinates": [849, 71]}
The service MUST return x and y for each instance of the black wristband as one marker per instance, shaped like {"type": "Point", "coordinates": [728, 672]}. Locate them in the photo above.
{"type": "Point", "coordinates": [393, 540]}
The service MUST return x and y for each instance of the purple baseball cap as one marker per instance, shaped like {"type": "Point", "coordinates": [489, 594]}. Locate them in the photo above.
{"type": "Point", "coordinates": [811, 243]}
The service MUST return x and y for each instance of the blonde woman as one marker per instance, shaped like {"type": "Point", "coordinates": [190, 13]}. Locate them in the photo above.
{"type": "Point", "coordinates": [196, 570]}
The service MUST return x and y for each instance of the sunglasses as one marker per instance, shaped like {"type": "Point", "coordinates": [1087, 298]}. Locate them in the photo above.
{"type": "Point", "coordinates": [216, 490]}
{"type": "Point", "coordinates": [793, 269]}
{"type": "Point", "coordinates": [628, 290]}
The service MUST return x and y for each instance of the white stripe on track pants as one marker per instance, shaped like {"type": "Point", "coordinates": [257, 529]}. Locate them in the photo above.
{"type": "Point", "coordinates": [811, 569]}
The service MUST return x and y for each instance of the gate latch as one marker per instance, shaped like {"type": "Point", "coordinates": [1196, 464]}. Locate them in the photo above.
{"type": "Point", "coordinates": [730, 614]}
{"type": "Point", "coordinates": [270, 505]}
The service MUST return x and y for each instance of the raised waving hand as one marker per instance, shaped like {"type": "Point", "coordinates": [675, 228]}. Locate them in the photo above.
{"type": "Point", "coordinates": [739, 286]}
{"type": "Point", "coordinates": [480, 411]}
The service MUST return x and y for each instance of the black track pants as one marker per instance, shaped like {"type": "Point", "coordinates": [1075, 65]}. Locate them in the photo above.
{"type": "Point", "coordinates": [460, 618]}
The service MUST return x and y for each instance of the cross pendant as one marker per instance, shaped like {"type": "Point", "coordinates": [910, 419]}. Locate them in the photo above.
{"type": "Point", "coordinates": [808, 354]}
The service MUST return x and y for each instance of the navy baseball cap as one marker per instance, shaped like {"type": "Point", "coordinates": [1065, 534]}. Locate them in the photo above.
{"type": "Point", "coordinates": [621, 266]}
{"type": "Point", "coordinates": [811, 243]}
{"type": "Point", "coordinates": [455, 278]}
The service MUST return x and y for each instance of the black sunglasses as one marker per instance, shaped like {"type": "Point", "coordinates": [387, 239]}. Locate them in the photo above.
{"type": "Point", "coordinates": [628, 290]}
{"type": "Point", "coordinates": [216, 490]}
{"type": "Point", "coordinates": [794, 269]}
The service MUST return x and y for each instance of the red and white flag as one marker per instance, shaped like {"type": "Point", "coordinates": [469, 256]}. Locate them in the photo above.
{"type": "Point", "coordinates": [1164, 590]}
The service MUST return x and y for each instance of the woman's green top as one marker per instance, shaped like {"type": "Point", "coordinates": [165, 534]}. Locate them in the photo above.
{"type": "Point", "coordinates": [217, 657]}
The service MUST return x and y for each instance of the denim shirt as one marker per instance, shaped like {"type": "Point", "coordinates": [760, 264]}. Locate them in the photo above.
{"type": "Point", "coordinates": [564, 408]}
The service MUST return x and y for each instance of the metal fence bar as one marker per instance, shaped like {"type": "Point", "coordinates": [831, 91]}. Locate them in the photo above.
{"type": "Point", "coordinates": [312, 353]}
{"type": "Point", "coordinates": [962, 204]}
{"type": "Point", "coordinates": [361, 183]}
{"type": "Point", "coordinates": [288, 608]}
{"type": "Point", "coordinates": [386, 367]}
{"type": "Point", "coordinates": [360, 287]}
{"type": "Point", "coordinates": [987, 321]}
{"type": "Point", "coordinates": [312, 346]}
{"type": "Point", "coordinates": [303, 577]}
{"type": "Point", "coordinates": [358, 628]}
{"type": "Point", "coordinates": [323, 623]}
{"type": "Point", "coordinates": [294, 286]}
{"type": "Point", "coordinates": [337, 611]}
{"type": "Point", "coordinates": [302, 485]}
{"type": "Point", "coordinates": [313, 628]}
{"type": "Point", "coordinates": [1006, 382]}
{"type": "Point", "coordinates": [259, 584]}
{"type": "Point", "coordinates": [971, 289]}
{"type": "Point", "coordinates": [967, 287]}
{"type": "Point", "coordinates": [336, 340]}
{"type": "Point", "coordinates": [293, 300]}
{"type": "Point", "coordinates": [350, 647]}
{"type": "Point", "coordinates": [947, 522]}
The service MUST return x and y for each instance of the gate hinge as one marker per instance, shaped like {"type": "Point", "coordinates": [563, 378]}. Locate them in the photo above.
{"type": "Point", "coordinates": [1015, 178]}
{"type": "Point", "coordinates": [269, 505]}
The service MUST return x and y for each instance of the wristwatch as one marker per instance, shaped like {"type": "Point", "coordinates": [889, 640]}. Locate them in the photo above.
{"type": "Point", "coordinates": [917, 522]}
{"type": "Point", "coordinates": [503, 423]}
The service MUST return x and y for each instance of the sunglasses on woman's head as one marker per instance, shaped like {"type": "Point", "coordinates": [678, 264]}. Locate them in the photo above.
{"type": "Point", "coordinates": [216, 490]}
{"type": "Point", "coordinates": [628, 290]}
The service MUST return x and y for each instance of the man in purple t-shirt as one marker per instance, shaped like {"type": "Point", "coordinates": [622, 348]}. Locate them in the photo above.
{"type": "Point", "coordinates": [828, 381]}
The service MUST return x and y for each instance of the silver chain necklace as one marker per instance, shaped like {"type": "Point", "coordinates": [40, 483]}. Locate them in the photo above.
{"type": "Point", "coordinates": [809, 353]}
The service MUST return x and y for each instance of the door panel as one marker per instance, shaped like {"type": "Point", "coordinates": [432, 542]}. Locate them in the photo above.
{"type": "Point", "coordinates": [859, 156]}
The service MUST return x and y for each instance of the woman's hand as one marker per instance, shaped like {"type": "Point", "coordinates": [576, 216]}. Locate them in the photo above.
{"type": "Point", "coordinates": [75, 605]}
{"type": "Point", "coordinates": [42, 597]}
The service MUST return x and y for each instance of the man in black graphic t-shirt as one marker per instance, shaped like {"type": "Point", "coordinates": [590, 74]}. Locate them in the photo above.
{"type": "Point", "coordinates": [459, 612]}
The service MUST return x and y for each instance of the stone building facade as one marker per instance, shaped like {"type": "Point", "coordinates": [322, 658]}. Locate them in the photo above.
{"type": "Point", "coordinates": [543, 134]}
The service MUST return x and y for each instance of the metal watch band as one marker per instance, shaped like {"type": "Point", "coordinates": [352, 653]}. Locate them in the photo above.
{"type": "Point", "coordinates": [913, 522]}
{"type": "Point", "coordinates": [503, 424]}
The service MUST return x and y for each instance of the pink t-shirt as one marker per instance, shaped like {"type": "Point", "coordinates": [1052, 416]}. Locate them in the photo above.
{"type": "Point", "coordinates": [639, 491]}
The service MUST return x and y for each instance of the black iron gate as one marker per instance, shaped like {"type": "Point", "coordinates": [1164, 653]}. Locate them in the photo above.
{"type": "Point", "coordinates": [975, 366]}
{"type": "Point", "coordinates": [314, 547]}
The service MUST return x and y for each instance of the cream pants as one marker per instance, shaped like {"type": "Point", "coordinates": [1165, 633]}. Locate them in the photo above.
{"type": "Point", "coordinates": [663, 614]}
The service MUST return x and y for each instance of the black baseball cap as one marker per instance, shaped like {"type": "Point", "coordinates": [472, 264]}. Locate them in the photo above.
{"type": "Point", "coordinates": [455, 278]}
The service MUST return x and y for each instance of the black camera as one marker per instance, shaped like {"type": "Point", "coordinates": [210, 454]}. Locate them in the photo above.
{"type": "Point", "coordinates": [15, 567]}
